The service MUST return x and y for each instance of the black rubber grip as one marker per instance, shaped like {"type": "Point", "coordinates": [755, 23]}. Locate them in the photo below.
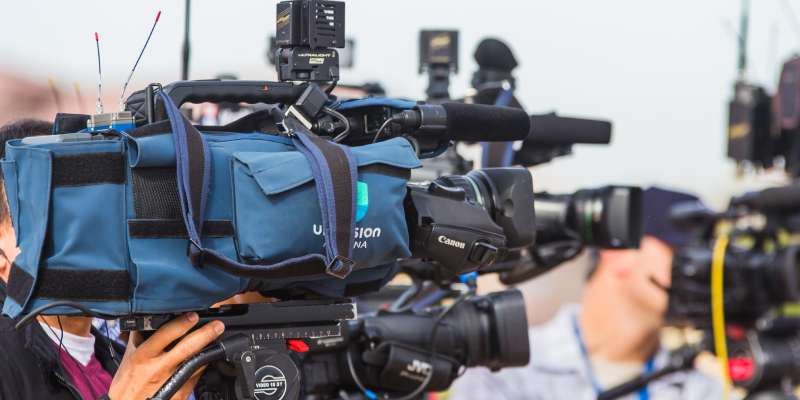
{"type": "Point", "coordinates": [216, 91]}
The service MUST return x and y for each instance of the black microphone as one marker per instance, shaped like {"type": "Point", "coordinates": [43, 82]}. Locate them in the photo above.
{"type": "Point", "coordinates": [782, 198]}
{"type": "Point", "coordinates": [494, 54]}
{"type": "Point", "coordinates": [550, 129]}
{"type": "Point", "coordinates": [470, 122]}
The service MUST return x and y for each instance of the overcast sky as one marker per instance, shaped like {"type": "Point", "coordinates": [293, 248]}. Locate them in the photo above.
{"type": "Point", "coordinates": [662, 71]}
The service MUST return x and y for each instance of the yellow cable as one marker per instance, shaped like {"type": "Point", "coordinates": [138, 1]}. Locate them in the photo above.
{"type": "Point", "coordinates": [718, 310]}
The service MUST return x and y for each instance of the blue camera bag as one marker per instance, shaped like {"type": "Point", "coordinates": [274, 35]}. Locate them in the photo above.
{"type": "Point", "coordinates": [164, 218]}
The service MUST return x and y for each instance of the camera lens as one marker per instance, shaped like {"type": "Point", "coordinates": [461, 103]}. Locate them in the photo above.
{"type": "Point", "coordinates": [496, 330]}
{"type": "Point", "coordinates": [507, 195]}
{"type": "Point", "coordinates": [786, 277]}
{"type": "Point", "coordinates": [608, 217]}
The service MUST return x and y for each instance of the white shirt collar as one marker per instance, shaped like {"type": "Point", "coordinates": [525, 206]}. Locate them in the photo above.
{"type": "Point", "coordinates": [81, 348]}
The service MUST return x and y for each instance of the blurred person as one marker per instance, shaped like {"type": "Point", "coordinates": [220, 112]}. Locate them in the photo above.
{"type": "Point", "coordinates": [613, 335]}
{"type": "Point", "coordinates": [64, 357]}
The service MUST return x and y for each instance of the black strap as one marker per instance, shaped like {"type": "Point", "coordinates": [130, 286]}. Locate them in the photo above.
{"type": "Point", "coordinates": [88, 169]}
{"type": "Point", "coordinates": [83, 284]}
{"type": "Point", "coordinates": [70, 284]}
{"type": "Point", "coordinates": [334, 171]}
{"type": "Point", "coordinates": [175, 228]}
{"type": "Point", "coordinates": [20, 283]}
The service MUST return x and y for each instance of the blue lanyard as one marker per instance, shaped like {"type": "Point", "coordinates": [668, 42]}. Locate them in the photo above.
{"type": "Point", "coordinates": [644, 394]}
{"type": "Point", "coordinates": [503, 99]}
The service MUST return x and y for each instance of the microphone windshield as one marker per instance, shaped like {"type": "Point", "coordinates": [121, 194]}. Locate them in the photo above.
{"type": "Point", "coordinates": [495, 54]}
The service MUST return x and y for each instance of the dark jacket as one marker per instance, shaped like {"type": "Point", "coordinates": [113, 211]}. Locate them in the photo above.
{"type": "Point", "coordinates": [30, 368]}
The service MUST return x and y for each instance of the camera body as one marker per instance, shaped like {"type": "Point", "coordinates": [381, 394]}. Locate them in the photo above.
{"type": "Point", "coordinates": [760, 286]}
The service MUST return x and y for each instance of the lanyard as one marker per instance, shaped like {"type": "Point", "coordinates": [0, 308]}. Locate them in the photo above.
{"type": "Point", "coordinates": [503, 99]}
{"type": "Point", "coordinates": [644, 394]}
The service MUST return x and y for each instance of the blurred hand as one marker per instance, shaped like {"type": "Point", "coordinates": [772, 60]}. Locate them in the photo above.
{"type": "Point", "coordinates": [147, 364]}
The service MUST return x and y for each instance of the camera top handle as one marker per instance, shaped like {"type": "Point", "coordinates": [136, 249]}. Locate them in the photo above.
{"type": "Point", "coordinates": [216, 90]}
{"type": "Point", "coordinates": [233, 91]}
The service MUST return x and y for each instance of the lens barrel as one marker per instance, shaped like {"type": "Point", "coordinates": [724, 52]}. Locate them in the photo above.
{"type": "Point", "coordinates": [606, 217]}
{"type": "Point", "coordinates": [490, 331]}
{"type": "Point", "coordinates": [507, 195]}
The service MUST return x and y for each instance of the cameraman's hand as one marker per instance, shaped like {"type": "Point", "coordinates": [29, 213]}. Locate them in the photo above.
{"type": "Point", "coordinates": [148, 364]}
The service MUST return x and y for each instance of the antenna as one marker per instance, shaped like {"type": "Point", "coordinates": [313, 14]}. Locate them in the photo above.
{"type": "Point", "coordinates": [78, 95]}
{"type": "Point", "coordinates": [125, 86]}
{"type": "Point", "coordinates": [185, 58]}
{"type": "Point", "coordinates": [744, 21]}
{"type": "Point", "coordinates": [99, 106]}
{"type": "Point", "coordinates": [54, 92]}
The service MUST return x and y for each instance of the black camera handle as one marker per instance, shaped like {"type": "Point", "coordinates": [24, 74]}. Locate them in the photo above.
{"type": "Point", "coordinates": [681, 360]}
{"type": "Point", "coordinates": [217, 90]}
{"type": "Point", "coordinates": [216, 352]}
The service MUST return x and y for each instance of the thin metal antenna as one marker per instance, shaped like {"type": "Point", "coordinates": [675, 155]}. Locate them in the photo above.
{"type": "Point", "coordinates": [744, 23]}
{"type": "Point", "coordinates": [186, 47]}
{"type": "Point", "coordinates": [127, 81]}
{"type": "Point", "coordinates": [78, 96]}
{"type": "Point", "coordinates": [54, 92]}
{"type": "Point", "coordinates": [99, 106]}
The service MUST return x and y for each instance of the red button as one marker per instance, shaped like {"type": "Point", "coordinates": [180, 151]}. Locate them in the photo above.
{"type": "Point", "coordinates": [735, 332]}
{"type": "Point", "coordinates": [297, 345]}
{"type": "Point", "coordinates": [741, 369]}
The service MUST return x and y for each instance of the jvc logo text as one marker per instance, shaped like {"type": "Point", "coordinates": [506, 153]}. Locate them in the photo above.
{"type": "Point", "coordinates": [417, 370]}
{"type": "Point", "coordinates": [419, 367]}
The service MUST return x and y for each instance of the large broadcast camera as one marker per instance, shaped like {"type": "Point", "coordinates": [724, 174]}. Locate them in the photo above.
{"type": "Point", "coordinates": [754, 241]}
{"type": "Point", "coordinates": [307, 345]}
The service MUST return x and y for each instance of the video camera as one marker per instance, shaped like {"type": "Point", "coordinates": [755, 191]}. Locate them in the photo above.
{"type": "Point", "coordinates": [457, 225]}
{"type": "Point", "coordinates": [761, 261]}
{"type": "Point", "coordinates": [760, 286]}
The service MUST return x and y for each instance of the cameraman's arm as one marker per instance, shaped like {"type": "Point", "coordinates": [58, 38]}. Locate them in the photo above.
{"type": "Point", "coordinates": [148, 364]}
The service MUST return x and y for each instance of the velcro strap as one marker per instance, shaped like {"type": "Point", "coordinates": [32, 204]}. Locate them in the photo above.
{"type": "Point", "coordinates": [20, 283]}
{"type": "Point", "coordinates": [88, 169]}
{"type": "Point", "coordinates": [71, 284]}
{"type": "Point", "coordinates": [87, 284]}
{"type": "Point", "coordinates": [175, 228]}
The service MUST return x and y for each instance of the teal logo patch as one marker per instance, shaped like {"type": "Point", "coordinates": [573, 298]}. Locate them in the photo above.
{"type": "Point", "coordinates": [362, 201]}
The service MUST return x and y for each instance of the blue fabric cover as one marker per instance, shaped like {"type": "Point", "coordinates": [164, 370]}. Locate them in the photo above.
{"type": "Point", "coordinates": [259, 182]}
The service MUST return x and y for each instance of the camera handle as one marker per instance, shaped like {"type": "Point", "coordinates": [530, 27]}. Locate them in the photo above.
{"type": "Point", "coordinates": [681, 360]}
{"type": "Point", "coordinates": [226, 349]}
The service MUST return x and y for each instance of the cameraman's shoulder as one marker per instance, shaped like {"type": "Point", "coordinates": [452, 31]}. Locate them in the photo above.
{"type": "Point", "coordinates": [9, 336]}
{"type": "Point", "coordinates": [554, 340]}
{"type": "Point", "coordinates": [700, 385]}
{"type": "Point", "coordinates": [12, 348]}
{"type": "Point", "coordinates": [692, 384]}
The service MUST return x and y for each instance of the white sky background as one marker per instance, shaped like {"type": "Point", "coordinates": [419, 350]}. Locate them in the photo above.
{"type": "Point", "coordinates": [662, 71]}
